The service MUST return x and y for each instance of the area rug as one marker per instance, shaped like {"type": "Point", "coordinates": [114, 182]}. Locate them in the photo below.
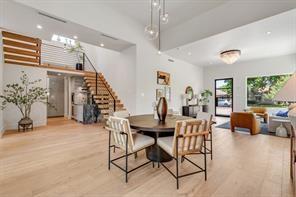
{"type": "Point", "coordinates": [263, 127]}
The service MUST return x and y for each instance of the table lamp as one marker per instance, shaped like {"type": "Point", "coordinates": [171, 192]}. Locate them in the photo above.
{"type": "Point", "coordinates": [288, 94]}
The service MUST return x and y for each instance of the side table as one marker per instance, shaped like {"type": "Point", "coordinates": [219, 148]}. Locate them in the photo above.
{"type": "Point", "coordinates": [281, 130]}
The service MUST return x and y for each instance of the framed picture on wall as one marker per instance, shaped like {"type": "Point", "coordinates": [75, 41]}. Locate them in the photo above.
{"type": "Point", "coordinates": [163, 78]}
{"type": "Point", "coordinates": [159, 93]}
{"type": "Point", "coordinates": [167, 92]}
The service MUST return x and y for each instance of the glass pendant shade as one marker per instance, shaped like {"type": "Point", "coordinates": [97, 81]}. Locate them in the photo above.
{"type": "Point", "coordinates": [230, 56]}
{"type": "Point", "coordinates": [155, 4]}
{"type": "Point", "coordinates": [164, 18]}
{"type": "Point", "coordinates": [151, 32]}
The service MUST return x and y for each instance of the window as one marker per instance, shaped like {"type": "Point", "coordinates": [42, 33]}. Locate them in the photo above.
{"type": "Point", "coordinates": [63, 39]}
{"type": "Point", "coordinates": [261, 90]}
{"type": "Point", "coordinates": [223, 97]}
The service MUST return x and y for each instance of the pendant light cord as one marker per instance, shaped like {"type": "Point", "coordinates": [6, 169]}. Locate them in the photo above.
{"type": "Point", "coordinates": [151, 13]}
{"type": "Point", "coordinates": [159, 13]}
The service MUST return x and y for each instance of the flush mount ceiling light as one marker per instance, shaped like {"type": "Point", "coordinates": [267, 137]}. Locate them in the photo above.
{"type": "Point", "coordinates": [230, 56]}
{"type": "Point", "coordinates": [102, 45]}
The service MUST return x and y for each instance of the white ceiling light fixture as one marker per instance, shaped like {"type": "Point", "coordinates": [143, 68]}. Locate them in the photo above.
{"type": "Point", "coordinates": [230, 56]}
{"type": "Point", "coordinates": [39, 26]}
{"type": "Point", "coordinates": [102, 44]}
{"type": "Point", "coordinates": [75, 37]}
{"type": "Point", "coordinates": [268, 33]}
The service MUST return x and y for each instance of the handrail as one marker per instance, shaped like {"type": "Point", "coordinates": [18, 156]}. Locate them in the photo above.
{"type": "Point", "coordinates": [114, 101]}
{"type": "Point", "coordinates": [85, 57]}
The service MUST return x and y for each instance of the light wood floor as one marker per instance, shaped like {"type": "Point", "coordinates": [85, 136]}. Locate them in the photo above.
{"type": "Point", "coordinates": [67, 159]}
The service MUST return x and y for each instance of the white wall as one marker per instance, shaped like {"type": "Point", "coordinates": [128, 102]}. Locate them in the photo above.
{"type": "Point", "coordinates": [240, 71]}
{"type": "Point", "coordinates": [39, 110]}
{"type": "Point", "coordinates": [119, 69]}
{"type": "Point", "coordinates": [116, 24]}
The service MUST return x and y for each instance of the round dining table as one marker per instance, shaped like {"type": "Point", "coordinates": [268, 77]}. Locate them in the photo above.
{"type": "Point", "coordinates": [155, 128]}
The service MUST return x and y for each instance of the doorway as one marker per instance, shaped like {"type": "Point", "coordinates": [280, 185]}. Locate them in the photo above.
{"type": "Point", "coordinates": [223, 97]}
{"type": "Point", "coordinates": [56, 97]}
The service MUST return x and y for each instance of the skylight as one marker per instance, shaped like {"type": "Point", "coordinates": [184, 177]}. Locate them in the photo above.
{"type": "Point", "coordinates": [63, 39]}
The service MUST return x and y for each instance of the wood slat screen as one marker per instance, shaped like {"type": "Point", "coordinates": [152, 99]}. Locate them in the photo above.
{"type": "Point", "coordinates": [20, 49]}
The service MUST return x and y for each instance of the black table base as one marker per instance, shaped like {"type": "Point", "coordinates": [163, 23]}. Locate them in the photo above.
{"type": "Point", "coordinates": [155, 153]}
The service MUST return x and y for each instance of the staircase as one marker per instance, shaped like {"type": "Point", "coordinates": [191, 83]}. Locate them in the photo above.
{"type": "Point", "coordinates": [104, 97]}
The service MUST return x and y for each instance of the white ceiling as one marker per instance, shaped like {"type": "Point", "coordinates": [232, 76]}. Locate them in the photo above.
{"type": "Point", "coordinates": [179, 10]}
{"type": "Point", "coordinates": [27, 18]}
{"type": "Point", "coordinates": [252, 40]}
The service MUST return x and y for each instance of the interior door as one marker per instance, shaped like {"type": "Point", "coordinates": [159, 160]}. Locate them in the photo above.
{"type": "Point", "coordinates": [223, 97]}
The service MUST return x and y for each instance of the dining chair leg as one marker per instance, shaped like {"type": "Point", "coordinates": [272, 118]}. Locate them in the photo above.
{"type": "Point", "coordinates": [211, 144]}
{"type": "Point", "coordinates": [126, 158]}
{"type": "Point", "coordinates": [109, 150]}
{"type": "Point", "coordinates": [205, 158]}
{"type": "Point", "coordinates": [158, 165]}
{"type": "Point", "coordinates": [152, 164]}
{"type": "Point", "coordinates": [136, 155]}
{"type": "Point", "coordinates": [177, 163]}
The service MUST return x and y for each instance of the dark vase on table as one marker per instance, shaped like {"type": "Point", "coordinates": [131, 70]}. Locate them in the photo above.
{"type": "Point", "coordinates": [162, 109]}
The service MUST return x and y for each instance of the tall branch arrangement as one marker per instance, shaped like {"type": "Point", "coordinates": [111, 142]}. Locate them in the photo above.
{"type": "Point", "coordinates": [24, 95]}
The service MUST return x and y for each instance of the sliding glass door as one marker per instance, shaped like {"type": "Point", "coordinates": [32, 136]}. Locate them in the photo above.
{"type": "Point", "coordinates": [223, 97]}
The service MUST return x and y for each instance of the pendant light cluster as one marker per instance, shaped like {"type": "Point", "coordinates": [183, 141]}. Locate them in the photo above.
{"type": "Point", "coordinates": [151, 30]}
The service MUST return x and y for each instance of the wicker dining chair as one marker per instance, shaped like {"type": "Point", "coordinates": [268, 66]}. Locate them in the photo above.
{"type": "Point", "coordinates": [122, 137]}
{"type": "Point", "coordinates": [209, 118]}
{"type": "Point", "coordinates": [189, 139]}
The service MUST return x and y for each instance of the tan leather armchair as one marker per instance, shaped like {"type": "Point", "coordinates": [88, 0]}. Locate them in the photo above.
{"type": "Point", "coordinates": [245, 120]}
{"type": "Point", "coordinates": [260, 111]}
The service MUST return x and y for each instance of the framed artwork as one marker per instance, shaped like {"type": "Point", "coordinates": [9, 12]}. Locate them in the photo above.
{"type": "Point", "coordinates": [167, 92]}
{"type": "Point", "coordinates": [163, 78]}
{"type": "Point", "coordinates": [159, 93]}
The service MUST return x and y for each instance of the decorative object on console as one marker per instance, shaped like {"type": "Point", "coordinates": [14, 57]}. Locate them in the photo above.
{"type": "Point", "coordinates": [163, 78]}
{"type": "Point", "coordinates": [24, 95]}
{"type": "Point", "coordinates": [162, 109]}
{"type": "Point", "coordinates": [186, 98]}
{"type": "Point", "coordinates": [230, 56]}
{"type": "Point", "coordinates": [205, 99]}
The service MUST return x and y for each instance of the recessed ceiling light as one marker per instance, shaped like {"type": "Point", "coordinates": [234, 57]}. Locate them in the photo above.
{"type": "Point", "coordinates": [102, 45]}
{"type": "Point", "coordinates": [39, 26]}
{"type": "Point", "coordinates": [59, 74]}
{"type": "Point", "coordinates": [189, 53]}
{"type": "Point", "coordinates": [268, 33]}
{"type": "Point", "coordinates": [75, 37]}
{"type": "Point", "coordinates": [159, 52]}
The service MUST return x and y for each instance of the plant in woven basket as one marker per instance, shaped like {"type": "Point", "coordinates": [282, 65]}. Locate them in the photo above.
{"type": "Point", "coordinates": [23, 95]}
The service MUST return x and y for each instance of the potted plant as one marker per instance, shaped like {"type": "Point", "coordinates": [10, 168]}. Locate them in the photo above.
{"type": "Point", "coordinates": [79, 51]}
{"type": "Point", "coordinates": [24, 95]}
{"type": "Point", "coordinates": [204, 99]}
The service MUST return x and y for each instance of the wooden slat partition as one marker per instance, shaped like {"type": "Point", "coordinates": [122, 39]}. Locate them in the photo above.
{"type": "Point", "coordinates": [21, 50]}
